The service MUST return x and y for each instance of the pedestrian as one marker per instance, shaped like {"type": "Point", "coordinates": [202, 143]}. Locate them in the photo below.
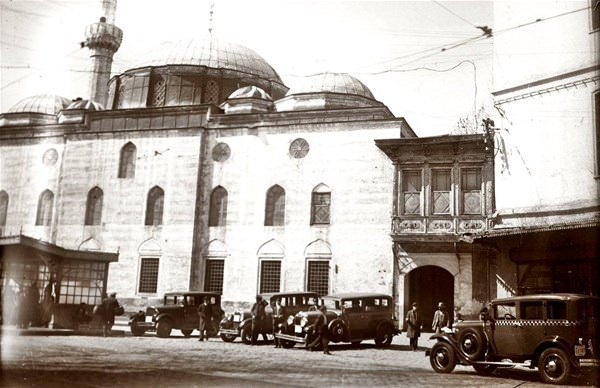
{"type": "Point", "coordinates": [414, 325]}
{"type": "Point", "coordinates": [440, 318]}
{"type": "Point", "coordinates": [48, 304]}
{"type": "Point", "coordinates": [322, 331]}
{"type": "Point", "coordinates": [277, 319]}
{"type": "Point", "coordinates": [258, 319]}
{"type": "Point", "coordinates": [203, 316]}
{"type": "Point", "coordinates": [110, 307]}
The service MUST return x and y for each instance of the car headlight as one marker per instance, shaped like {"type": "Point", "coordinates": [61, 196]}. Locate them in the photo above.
{"type": "Point", "coordinates": [303, 321]}
{"type": "Point", "coordinates": [290, 320]}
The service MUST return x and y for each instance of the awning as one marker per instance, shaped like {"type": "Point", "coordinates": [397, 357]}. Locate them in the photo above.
{"type": "Point", "coordinates": [502, 232]}
{"type": "Point", "coordinates": [55, 250]}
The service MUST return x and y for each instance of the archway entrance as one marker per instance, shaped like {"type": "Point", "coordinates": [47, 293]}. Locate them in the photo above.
{"type": "Point", "coordinates": [427, 286]}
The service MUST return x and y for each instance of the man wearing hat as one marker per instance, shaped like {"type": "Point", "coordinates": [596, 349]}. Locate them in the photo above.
{"type": "Point", "coordinates": [440, 318]}
{"type": "Point", "coordinates": [258, 319]}
{"type": "Point", "coordinates": [413, 330]}
{"type": "Point", "coordinates": [110, 306]}
{"type": "Point", "coordinates": [322, 331]}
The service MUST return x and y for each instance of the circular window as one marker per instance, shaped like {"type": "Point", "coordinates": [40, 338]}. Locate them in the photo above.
{"type": "Point", "coordinates": [50, 157]}
{"type": "Point", "coordinates": [299, 148]}
{"type": "Point", "coordinates": [221, 152]}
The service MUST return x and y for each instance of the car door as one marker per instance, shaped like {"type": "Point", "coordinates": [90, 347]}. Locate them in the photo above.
{"type": "Point", "coordinates": [357, 321]}
{"type": "Point", "coordinates": [190, 312]}
{"type": "Point", "coordinates": [505, 327]}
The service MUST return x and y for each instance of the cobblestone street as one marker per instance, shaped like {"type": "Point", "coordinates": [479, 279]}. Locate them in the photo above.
{"type": "Point", "coordinates": [83, 361]}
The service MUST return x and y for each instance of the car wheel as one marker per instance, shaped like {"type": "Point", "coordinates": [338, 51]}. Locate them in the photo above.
{"type": "Point", "coordinates": [228, 337]}
{"type": "Point", "coordinates": [384, 336]}
{"type": "Point", "coordinates": [163, 328]}
{"type": "Point", "coordinates": [287, 344]}
{"type": "Point", "coordinates": [470, 343]}
{"type": "Point", "coordinates": [484, 369]}
{"type": "Point", "coordinates": [187, 332]}
{"type": "Point", "coordinates": [337, 331]}
{"type": "Point", "coordinates": [246, 334]}
{"type": "Point", "coordinates": [442, 358]}
{"type": "Point", "coordinates": [137, 331]}
{"type": "Point", "coordinates": [554, 366]}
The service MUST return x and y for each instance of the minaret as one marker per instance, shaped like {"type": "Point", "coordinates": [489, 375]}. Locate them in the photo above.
{"type": "Point", "coordinates": [103, 39]}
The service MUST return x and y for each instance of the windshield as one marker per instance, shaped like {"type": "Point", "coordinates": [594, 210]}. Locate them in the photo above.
{"type": "Point", "coordinates": [331, 304]}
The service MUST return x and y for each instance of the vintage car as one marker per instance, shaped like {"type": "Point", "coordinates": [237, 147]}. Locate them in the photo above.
{"type": "Point", "coordinates": [555, 333]}
{"type": "Point", "coordinates": [239, 323]}
{"type": "Point", "coordinates": [179, 311]}
{"type": "Point", "coordinates": [351, 317]}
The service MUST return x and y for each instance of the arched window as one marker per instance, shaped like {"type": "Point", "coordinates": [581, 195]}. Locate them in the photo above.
{"type": "Point", "coordinates": [270, 258]}
{"type": "Point", "coordinates": [218, 207]}
{"type": "Point", "coordinates": [154, 206]}
{"type": "Point", "coordinates": [93, 209]}
{"type": "Point", "coordinates": [275, 206]}
{"type": "Point", "coordinates": [127, 161]}
{"type": "Point", "coordinates": [320, 205]}
{"type": "Point", "coordinates": [44, 210]}
{"type": "Point", "coordinates": [3, 207]}
{"type": "Point", "coordinates": [318, 263]}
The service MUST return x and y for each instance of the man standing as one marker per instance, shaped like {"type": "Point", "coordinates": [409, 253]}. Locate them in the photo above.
{"type": "Point", "coordinates": [203, 316]}
{"type": "Point", "coordinates": [322, 331]}
{"type": "Point", "coordinates": [277, 320]}
{"type": "Point", "coordinates": [109, 305]}
{"type": "Point", "coordinates": [440, 318]}
{"type": "Point", "coordinates": [413, 330]}
{"type": "Point", "coordinates": [258, 318]}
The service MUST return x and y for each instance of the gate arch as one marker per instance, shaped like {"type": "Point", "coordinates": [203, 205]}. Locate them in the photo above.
{"type": "Point", "coordinates": [428, 285]}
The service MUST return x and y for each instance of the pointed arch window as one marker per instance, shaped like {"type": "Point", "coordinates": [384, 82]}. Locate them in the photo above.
{"type": "Point", "coordinates": [218, 207]}
{"type": "Point", "coordinates": [44, 210]}
{"type": "Point", "coordinates": [127, 161]}
{"type": "Point", "coordinates": [320, 205]}
{"type": "Point", "coordinates": [275, 206]}
{"type": "Point", "coordinates": [154, 206]}
{"type": "Point", "coordinates": [3, 207]}
{"type": "Point", "coordinates": [93, 209]}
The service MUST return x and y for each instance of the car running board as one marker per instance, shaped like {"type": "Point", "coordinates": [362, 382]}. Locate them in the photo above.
{"type": "Point", "coordinates": [506, 363]}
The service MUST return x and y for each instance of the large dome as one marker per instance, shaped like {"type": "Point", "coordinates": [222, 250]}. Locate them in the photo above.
{"type": "Point", "coordinates": [333, 83]}
{"type": "Point", "coordinates": [49, 104]}
{"type": "Point", "coordinates": [210, 52]}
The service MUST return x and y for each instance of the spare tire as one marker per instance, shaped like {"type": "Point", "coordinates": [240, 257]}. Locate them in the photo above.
{"type": "Point", "coordinates": [337, 331]}
{"type": "Point", "coordinates": [471, 344]}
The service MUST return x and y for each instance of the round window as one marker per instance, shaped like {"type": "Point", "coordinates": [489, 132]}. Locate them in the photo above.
{"type": "Point", "coordinates": [221, 152]}
{"type": "Point", "coordinates": [50, 157]}
{"type": "Point", "coordinates": [299, 148]}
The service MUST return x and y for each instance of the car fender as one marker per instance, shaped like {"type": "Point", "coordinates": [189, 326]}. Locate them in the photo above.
{"type": "Point", "coordinates": [450, 340]}
{"type": "Point", "coordinates": [554, 342]}
{"type": "Point", "coordinates": [164, 316]}
{"type": "Point", "coordinates": [245, 322]}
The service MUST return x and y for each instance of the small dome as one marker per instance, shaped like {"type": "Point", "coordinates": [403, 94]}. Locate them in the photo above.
{"type": "Point", "coordinates": [250, 92]}
{"type": "Point", "coordinates": [332, 83]}
{"type": "Point", "coordinates": [213, 53]}
{"type": "Point", "coordinates": [88, 105]}
{"type": "Point", "coordinates": [49, 104]}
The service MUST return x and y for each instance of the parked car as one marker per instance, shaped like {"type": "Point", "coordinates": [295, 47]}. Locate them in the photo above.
{"type": "Point", "coordinates": [555, 333]}
{"type": "Point", "coordinates": [352, 317]}
{"type": "Point", "coordinates": [239, 324]}
{"type": "Point", "coordinates": [179, 311]}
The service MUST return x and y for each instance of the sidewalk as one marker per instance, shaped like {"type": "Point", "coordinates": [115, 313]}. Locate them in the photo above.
{"type": "Point", "coordinates": [119, 329]}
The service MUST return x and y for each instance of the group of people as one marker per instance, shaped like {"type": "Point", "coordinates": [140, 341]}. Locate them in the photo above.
{"type": "Point", "coordinates": [107, 311]}
{"type": "Point", "coordinates": [414, 325]}
{"type": "Point", "coordinates": [22, 306]}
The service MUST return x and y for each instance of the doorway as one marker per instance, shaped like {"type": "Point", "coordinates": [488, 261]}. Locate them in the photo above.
{"type": "Point", "coordinates": [427, 286]}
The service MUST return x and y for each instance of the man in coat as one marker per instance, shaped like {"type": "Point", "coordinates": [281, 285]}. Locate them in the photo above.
{"type": "Point", "coordinates": [277, 318]}
{"type": "Point", "coordinates": [204, 315]}
{"type": "Point", "coordinates": [440, 318]}
{"type": "Point", "coordinates": [413, 330]}
{"type": "Point", "coordinates": [320, 327]}
{"type": "Point", "coordinates": [258, 319]}
{"type": "Point", "coordinates": [109, 305]}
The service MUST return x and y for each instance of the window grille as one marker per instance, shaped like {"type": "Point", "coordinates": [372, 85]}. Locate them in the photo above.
{"type": "Point", "coordinates": [148, 275]}
{"type": "Point", "coordinates": [275, 207]}
{"type": "Point", "coordinates": [441, 186]}
{"type": "Point", "coordinates": [471, 190]}
{"type": "Point", "coordinates": [211, 94]}
{"type": "Point", "coordinates": [218, 207]}
{"type": "Point", "coordinates": [93, 211]}
{"type": "Point", "coordinates": [411, 191]}
{"type": "Point", "coordinates": [44, 212]}
{"type": "Point", "coordinates": [318, 276]}
{"type": "Point", "coordinates": [82, 282]}
{"type": "Point", "coordinates": [321, 208]}
{"type": "Point", "coordinates": [3, 207]}
{"type": "Point", "coordinates": [127, 161]}
{"type": "Point", "coordinates": [158, 91]}
{"type": "Point", "coordinates": [221, 152]}
{"type": "Point", "coordinates": [154, 206]}
{"type": "Point", "coordinates": [270, 275]}
{"type": "Point", "coordinates": [213, 280]}
{"type": "Point", "coordinates": [299, 148]}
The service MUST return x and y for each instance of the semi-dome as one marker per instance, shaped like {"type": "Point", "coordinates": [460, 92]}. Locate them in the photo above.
{"type": "Point", "coordinates": [87, 105]}
{"type": "Point", "coordinates": [49, 104]}
{"type": "Point", "coordinates": [333, 83]}
{"type": "Point", "coordinates": [250, 92]}
{"type": "Point", "coordinates": [210, 52]}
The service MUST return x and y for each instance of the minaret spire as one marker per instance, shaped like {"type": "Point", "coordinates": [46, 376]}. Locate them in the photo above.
{"type": "Point", "coordinates": [103, 39]}
{"type": "Point", "coordinates": [211, 6]}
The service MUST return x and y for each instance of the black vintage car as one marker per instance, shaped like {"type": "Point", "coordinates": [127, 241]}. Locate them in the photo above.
{"type": "Point", "coordinates": [179, 311]}
{"type": "Point", "coordinates": [352, 317]}
{"type": "Point", "coordinates": [239, 323]}
{"type": "Point", "coordinates": [555, 333]}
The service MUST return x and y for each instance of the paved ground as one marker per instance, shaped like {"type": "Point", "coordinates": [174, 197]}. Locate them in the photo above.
{"type": "Point", "coordinates": [84, 361]}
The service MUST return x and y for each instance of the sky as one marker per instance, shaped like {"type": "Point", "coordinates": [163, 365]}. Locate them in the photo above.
{"type": "Point", "coordinates": [425, 60]}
